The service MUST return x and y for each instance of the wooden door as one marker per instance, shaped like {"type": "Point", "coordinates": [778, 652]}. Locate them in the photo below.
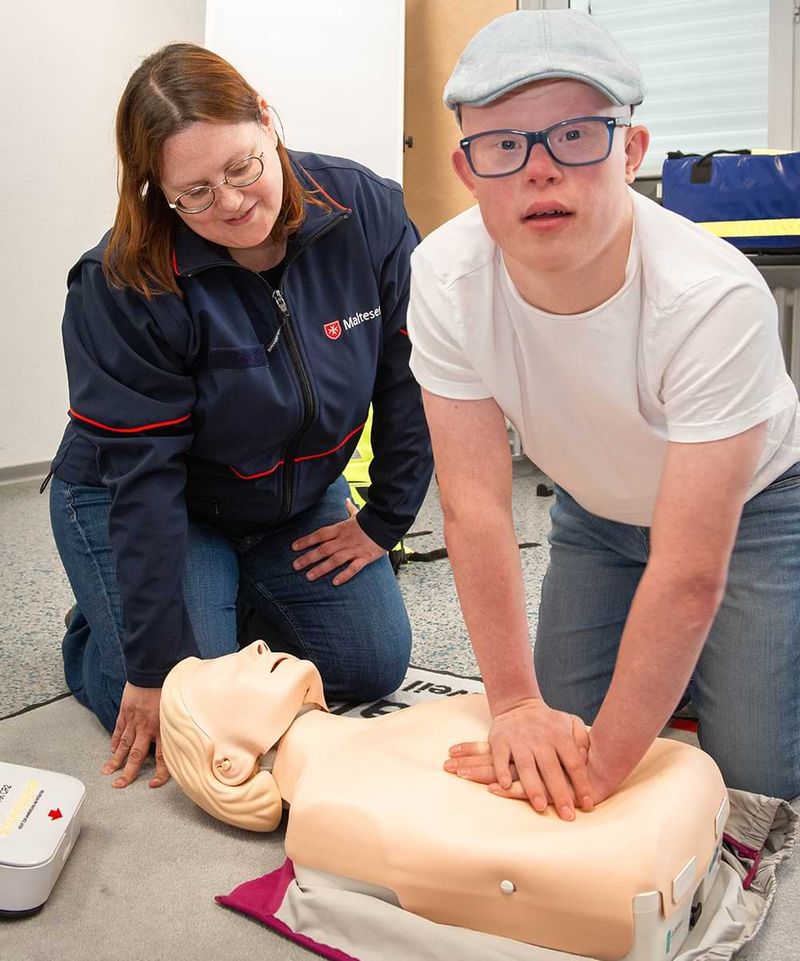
{"type": "Point", "coordinates": [436, 33]}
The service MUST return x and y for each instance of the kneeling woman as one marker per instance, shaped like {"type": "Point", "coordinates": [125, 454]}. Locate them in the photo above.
{"type": "Point", "coordinates": [224, 342]}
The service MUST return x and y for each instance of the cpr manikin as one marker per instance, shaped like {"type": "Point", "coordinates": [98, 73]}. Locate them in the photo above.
{"type": "Point", "coordinates": [370, 801]}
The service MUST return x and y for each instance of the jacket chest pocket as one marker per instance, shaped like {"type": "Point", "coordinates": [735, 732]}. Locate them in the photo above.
{"type": "Point", "coordinates": [237, 358]}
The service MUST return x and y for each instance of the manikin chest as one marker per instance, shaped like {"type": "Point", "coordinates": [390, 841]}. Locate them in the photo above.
{"type": "Point", "coordinates": [380, 809]}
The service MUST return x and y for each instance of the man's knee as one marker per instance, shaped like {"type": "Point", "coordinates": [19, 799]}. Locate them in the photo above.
{"type": "Point", "coordinates": [747, 764]}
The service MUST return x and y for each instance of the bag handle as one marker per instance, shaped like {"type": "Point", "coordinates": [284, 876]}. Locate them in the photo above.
{"type": "Point", "coordinates": [701, 171]}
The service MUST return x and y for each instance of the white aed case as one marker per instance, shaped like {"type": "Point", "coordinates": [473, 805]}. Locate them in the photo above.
{"type": "Point", "coordinates": [40, 819]}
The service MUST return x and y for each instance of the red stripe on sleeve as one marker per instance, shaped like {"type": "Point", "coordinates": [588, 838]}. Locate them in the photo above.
{"type": "Point", "coordinates": [128, 430]}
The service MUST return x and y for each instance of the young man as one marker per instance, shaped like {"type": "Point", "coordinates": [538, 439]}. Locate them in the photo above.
{"type": "Point", "coordinates": [638, 356]}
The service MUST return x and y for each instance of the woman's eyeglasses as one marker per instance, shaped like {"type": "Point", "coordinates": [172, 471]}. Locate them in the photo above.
{"type": "Point", "coordinates": [241, 174]}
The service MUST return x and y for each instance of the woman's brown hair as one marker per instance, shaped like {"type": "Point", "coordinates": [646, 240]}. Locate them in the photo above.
{"type": "Point", "coordinates": [174, 87]}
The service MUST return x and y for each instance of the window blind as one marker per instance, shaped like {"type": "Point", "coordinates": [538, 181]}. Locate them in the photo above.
{"type": "Point", "coordinates": [705, 63]}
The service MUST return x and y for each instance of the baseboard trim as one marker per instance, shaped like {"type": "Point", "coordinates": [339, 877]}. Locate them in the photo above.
{"type": "Point", "coordinates": [24, 472]}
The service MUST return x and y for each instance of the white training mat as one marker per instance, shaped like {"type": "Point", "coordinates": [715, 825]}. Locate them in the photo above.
{"type": "Point", "coordinates": [419, 685]}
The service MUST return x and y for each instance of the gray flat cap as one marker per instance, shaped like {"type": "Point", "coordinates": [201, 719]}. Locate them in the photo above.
{"type": "Point", "coordinates": [527, 45]}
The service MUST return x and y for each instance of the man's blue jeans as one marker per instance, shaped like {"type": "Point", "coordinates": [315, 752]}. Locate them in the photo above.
{"type": "Point", "coordinates": [357, 634]}
{"type": "Point", "coordinates": [746, 686]}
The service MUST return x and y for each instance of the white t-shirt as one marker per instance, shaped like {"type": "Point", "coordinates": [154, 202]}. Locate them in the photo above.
{"type": "Point", "coordinates": [687, 350]}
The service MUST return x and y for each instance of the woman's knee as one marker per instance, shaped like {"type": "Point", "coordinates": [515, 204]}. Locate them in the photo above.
{"type": "Point", "coordinates": [372, 660]}
{"type": "Point", "coordinates": [389, 666]}
{"type": "Point", "coordinates": [94, 671]}
{"type": "Point", "coordinates": [367, 682]}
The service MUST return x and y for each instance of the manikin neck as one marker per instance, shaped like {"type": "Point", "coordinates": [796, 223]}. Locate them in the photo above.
{"type": "Point", "coordinates": [313, 734]}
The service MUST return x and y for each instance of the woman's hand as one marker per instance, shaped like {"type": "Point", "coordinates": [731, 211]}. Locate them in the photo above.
{"type": "Point", "coordinates": [136, 729]}
{"type": "Point", "coordinates": [533, 753]}
{"type": "Point", "coordinates": [337, 545]}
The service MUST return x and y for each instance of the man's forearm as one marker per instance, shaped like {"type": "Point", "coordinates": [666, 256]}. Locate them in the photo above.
{"type": "Point", "coordinates": [485, 558]}
{"type": "Point", "coordinates": [667, 626]}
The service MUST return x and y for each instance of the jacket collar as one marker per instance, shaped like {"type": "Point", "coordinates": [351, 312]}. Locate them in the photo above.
{"type": "Point", "coordinates": [193, 252]}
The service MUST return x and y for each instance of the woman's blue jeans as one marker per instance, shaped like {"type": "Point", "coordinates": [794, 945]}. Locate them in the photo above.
{"type": "Point", "coordinates": [746, 686]}
{"type": "Point", "coordinates": [357, 634]}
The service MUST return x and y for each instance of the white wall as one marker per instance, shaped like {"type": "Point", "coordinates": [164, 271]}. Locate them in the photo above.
{"type": "Point", "coordinates": [63, 67]}
{"type": "Point", "coordinates": [332, 68]}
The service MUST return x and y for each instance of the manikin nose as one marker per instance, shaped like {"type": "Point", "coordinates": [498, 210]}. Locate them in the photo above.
{"type": "Point", "coordinates": [276, 657]}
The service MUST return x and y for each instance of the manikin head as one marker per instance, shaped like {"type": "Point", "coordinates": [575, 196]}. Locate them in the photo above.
{"type": "Point", "coordinates": [219, 716]}
{"type": "Point", "coordinates": [527, 72]}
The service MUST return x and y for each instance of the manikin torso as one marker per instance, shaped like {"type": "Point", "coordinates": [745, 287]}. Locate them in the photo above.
{"type": "Point", "coordinates": [370, 801]}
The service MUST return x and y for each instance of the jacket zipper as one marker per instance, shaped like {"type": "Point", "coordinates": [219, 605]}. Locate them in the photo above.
{"type": "Point", "coordinates": [302, 376]}
{"type": "Point", "coordinates": [309, 408]}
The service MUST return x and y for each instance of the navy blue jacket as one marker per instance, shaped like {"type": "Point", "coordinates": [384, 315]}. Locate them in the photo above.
{"type": "Point", "coordinates": [239, 403]}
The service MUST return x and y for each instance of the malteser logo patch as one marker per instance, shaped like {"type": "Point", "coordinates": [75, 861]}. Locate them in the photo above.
{"type": "Point", "coordinates": [336, 328]}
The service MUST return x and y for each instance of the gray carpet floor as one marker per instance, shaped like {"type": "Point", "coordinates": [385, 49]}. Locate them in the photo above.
{"type": "Point", "coordinates": [34, 592]}
{"type": "Point", "coordinates": [141, 880]}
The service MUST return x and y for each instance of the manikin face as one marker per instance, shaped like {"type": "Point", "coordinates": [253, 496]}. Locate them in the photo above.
{"type": "Point", "coordinates": [592, 200]}
{"type": "Point", "coordinates": [247, 700]}
{"type": "Point", "coordinates": [240, 217]}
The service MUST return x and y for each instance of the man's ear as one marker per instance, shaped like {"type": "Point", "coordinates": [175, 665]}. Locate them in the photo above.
{"type": "Point", "coordinates": [463, 170]}
{"type": "Point", "coordinates": [233, 765]}
{"type": "Point", "coordinates": [636, 143]}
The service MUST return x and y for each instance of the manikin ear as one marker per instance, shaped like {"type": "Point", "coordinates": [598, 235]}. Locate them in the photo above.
{"type": "Point", "coordinates": [232, 765]}
{"type": "Point", "coordinates": [462, 169]}
{"type": "Point", "coordinates": [240, 796]}
{"type": "Point", "coordinates": [637, 140]}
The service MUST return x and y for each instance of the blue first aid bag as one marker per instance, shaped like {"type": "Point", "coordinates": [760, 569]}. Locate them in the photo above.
{"type": "Point", "coordinates": [750, 199]}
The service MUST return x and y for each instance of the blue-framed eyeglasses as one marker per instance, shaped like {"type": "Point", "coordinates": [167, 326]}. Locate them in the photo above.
{"type": "Point", "coordinates": [572, 143]}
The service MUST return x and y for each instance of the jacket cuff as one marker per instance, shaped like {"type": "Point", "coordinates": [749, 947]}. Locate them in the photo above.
{"type": "Point", "coordinates": [146, 678]}
{"type": "Point", "coordinates": [385, 535]}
